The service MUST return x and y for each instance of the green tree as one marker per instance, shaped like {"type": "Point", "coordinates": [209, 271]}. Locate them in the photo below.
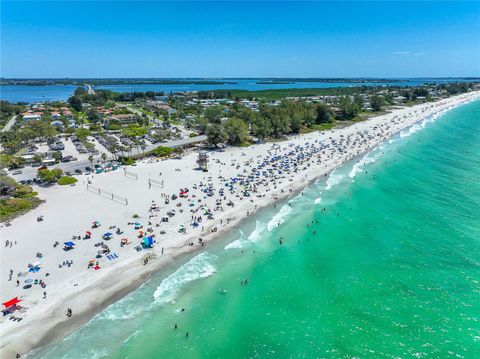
{"type": "Point", "coordinates": [80, 91]}
{"type": "Point", "coordinates": [76, 103]}
{"type": "Point", "coordinates": [216, 134]}
{"type": "Point", "coordinates": [377, 102]}
{"type": "Point", "coordinates": [82, 133]}
{"type": "Point", "coordinates": [11, 161]}
{"type": "Point", "coordinates": [324, 114]}
{"type": "Point", "coordinates": [47, 175]}
{"type": "Point", "coordinates": [349, 109]}
{"type": "Point", "coordinates": [358, 100]}
{"type": "Point", "coordinates": [57, 156]}
{"type": "Point", "coordinates": [236, 130]}
{"type": "Point", "coordinates": [214, 114]}
{"type": "Point", "coordinates": [261, 127]}
{"type": "Point", "coordinates": [93, 115]}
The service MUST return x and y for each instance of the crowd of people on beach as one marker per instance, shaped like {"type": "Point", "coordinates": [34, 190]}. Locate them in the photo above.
{"type": "Point", "coordinates": [269, 174]}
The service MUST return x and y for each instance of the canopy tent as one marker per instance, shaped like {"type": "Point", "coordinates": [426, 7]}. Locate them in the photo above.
{"type": "Point", "coordinates": [148, 242]}
{"type": "Point", "coordinates": [11, 302]}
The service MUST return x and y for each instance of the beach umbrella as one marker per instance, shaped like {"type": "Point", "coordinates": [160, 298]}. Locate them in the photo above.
{"type": "Point", "coordinates": [88, 233]}
{"type": "Point", "coordinates": [11, 302]}
{"type": "Point", "coordinates": [69, 244]}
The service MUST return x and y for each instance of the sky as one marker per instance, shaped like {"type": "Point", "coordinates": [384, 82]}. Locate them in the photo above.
{"type": "Point", "coordinates": [239, 39]}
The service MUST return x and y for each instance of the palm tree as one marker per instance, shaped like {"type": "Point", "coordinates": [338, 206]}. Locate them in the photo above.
{"type": "Point", "coordinates": [104, 157]}
{"type": "Point", "coordinates": [113, 151]}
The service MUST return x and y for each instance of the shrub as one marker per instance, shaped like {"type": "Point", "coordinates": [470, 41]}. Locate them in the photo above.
{"type": "Point", "coordinates": [161, 151]}
{"type": "Point", "coordinates": [12, 207]}
{"type": "Point", "coordinates": [127, 161]}
{"type": "Point", "coordinates": [66, 180]}
{"type": "Point", "coordinates": [47, 175]}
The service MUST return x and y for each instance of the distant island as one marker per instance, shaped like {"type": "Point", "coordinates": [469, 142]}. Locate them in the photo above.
{"type": "Point", "coordinates": [119, 81]}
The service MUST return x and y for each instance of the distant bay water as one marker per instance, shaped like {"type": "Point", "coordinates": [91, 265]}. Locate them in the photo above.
{"type": "Point", "coordinates": [391, 272]}
{"type": "Point", "coordinates": [31, 94]}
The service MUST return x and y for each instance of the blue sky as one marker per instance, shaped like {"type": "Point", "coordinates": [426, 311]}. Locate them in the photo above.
{"type": "Point", "coordinates": [240, 39]}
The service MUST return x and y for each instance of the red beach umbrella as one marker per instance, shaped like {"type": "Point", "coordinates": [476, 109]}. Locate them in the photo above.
{"type": "Point", "coordinates": [11, 302]}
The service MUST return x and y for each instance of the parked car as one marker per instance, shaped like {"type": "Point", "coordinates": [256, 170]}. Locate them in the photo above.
{"type": "Point", "coordinates": [78, 171]}
{"type": "Point", "coordinates": [88, 169]}
{"type": "Point", "coordinates": [17, 172]}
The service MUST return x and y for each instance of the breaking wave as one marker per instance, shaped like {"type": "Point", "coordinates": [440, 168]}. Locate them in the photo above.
{"type": "Point", "coordinates": [279, 218]}
{"type": "Point", "coordinates": [257, 232]}
{"type": "Point", "coordinates": [198, 267]}
{"type": "Point", "coordinates": [370, 157]}
{"type": "Point", "coordinates": [333, 179]}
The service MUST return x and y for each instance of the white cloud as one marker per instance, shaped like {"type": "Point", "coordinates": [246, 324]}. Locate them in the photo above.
{"type": "Point", "coordinates": [401, 52]}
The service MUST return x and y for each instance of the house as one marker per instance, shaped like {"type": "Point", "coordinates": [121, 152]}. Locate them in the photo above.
{"type": "Point", "coordinates": [123, 119]}
{"type": "Point", "coordinates": [31, 116]}
{"type": "Point", "coordinates": [57, 123]}
{"type": "Point", "coordinates": [55, 115]}
{"type": "Point", "coordinates": [67, 113]}
{"type": "Point", "coordinates": [161, 106]}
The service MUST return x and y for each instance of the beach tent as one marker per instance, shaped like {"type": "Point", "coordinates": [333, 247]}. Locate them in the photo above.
{"type": "Point", "coordinates": [68, 246]}
{"type": "Point", "coordinates": [148, 242]}
{"type": "Point", "coordinates": [10, 305]}
{"type": "Point", "coordinates": [11, 302]}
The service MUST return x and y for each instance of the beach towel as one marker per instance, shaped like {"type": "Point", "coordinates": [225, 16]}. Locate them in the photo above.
{"type": "Point", "coordinates": [112, 256]}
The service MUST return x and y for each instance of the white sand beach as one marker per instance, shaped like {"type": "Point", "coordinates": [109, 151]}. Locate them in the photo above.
{"type": "Point", "coordinates": [239, 182]}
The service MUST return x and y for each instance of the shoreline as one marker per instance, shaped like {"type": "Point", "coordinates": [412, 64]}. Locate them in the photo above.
{"type": "Point", "coordinates": [94, 296]}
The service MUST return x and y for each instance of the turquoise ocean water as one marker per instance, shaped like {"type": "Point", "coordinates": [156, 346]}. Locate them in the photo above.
{"type": "Point", "coordinates": [381, 259]}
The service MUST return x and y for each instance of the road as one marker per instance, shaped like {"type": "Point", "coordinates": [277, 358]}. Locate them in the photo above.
{"type": "Point", "coordinates": [10, 124]}
{"type": "Point", "coordinates": [90, 89]}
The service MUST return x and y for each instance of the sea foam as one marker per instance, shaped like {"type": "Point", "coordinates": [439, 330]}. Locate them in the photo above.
{"type": "Point", "coordinates": [198, 267]}
{"type": "Point", "coordinates": [257, 232]}
{"type": "Point", "coordinates": [333, 179]}
{"type": "Point", "coordinates": [370, 157]}
{"type": "Point", "coordinates": [242, 242]}
{"type": "Point", "coordinates": [279, 218]}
